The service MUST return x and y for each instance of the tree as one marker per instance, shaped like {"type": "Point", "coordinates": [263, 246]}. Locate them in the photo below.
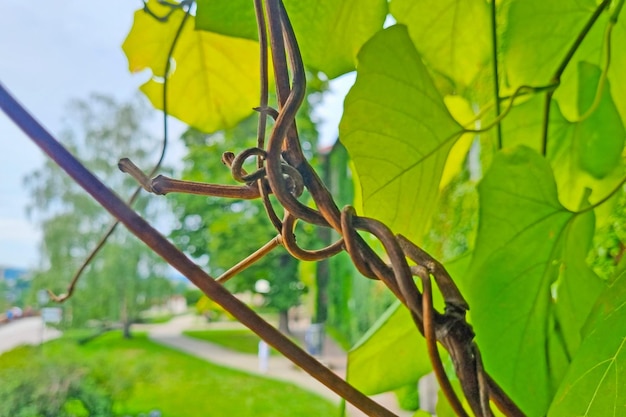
{"type": "Point", "coordinates": [220, 232]}
{"type": "Point", "coordinates": [60, 385]}
{"type": "Point", "coordinates": [120, 282]}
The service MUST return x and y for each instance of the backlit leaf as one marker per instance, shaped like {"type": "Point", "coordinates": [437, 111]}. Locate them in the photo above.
{"type": "Point", "coordinates": [329, 32]}
{"type": "Point", "coordinates": [398, 133]}
{"type": "Point", "coordinates": [391, 355]}
{"type": "Point", "coordinates": [538, 35]}
{"type": "Point", "coordinates": [600, 136]}
{"type": "Point", "coordinates": [214, 79]}
{"type": "Point", "coordinates": [227, 17]}
{"type": "Point", "coordinates": [525, 239]}
{"type": "Point", "coordinates": [594, 385]}
{"type": "Point", "coordinates": [453, 36]}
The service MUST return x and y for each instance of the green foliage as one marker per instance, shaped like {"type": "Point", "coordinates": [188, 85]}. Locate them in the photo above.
{"type": "Point", "coordinates": [513, 176]}
{"type": "Point", "coordinates": [324, 48]}
{"type": "Point", "coordinates": [35, 383]}
{"type": "Point", "coordinates": [515, 303]}
{"type": "Point", "coordinates": [239, 340]}
{"type": "Point", "coordinates": [200, 86]}
{"type": "Point", "coordinates": [137, 375]}
{"type": "Point", "coordinates": [394, 85]}
{"type": "Point", "coordinates": [221, 231]}
{"type": "Point", "coordinates": [392, 355]}
{"type": "Point", "coordinates": [126, 276]}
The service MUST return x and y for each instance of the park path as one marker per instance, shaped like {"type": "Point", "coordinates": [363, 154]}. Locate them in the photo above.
{"type": "Point", "coordinates": [25, 331]}
{"type": "Point", "coordinates": [280, 368]}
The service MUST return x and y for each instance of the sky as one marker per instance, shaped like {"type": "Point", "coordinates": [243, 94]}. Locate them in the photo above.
{"type": "Point", "coordinates": [50, 53]}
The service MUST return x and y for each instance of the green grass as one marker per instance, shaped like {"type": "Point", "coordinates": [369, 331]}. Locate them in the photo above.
{"type": "Point", "coordinates": [240, 340]}
{"type": "Point", "coordinates": [178, 384]}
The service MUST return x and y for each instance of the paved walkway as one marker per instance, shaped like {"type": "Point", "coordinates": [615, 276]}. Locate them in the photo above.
{"type": "Point", "coordinates": [280, 368]}
{"type": "Point", "coordinates": [25, 331]}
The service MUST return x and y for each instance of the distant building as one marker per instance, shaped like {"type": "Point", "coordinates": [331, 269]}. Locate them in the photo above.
{"type": "Point", "coordinates": [14, 283]}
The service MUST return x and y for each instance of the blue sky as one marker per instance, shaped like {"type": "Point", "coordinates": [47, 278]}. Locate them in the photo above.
{"type": "Point", "coordinates": [52, 52]}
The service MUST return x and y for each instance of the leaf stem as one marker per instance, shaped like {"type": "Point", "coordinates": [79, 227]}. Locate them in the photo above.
{"type": "Point", "coordinates": [607, 64]}
{"type": "Point", "coordinates": [605, 198]}
{"type": "Point", "coordinates": [556, 78]}
{"type": "Point", "coordinates": [496, 84]}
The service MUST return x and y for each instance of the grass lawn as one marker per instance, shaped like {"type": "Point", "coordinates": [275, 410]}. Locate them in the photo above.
{"type": "Point", "coordinates": [240, 340]}
{"type": "Point", "coordinates": [180, 385]}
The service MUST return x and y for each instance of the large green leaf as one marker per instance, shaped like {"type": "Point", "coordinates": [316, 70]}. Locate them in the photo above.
{"type": "Point", "coordinates": [398, 133]}
{"type": "Point", "coordinates": [227, 17]}
{"type": "Point", "coordinates": [525, 239]}
{"type": "Point", "coordinates": [599, 138]}
{"type": "Point", "coordinates": [330, 32]}
{"type": "Point", "coordinates": [214, 79]}
{"type": "Point", "coordinates": [595, 384]}
{"type": "Point", "coordinates": [584, 153]}
{"type": "Point", "coordinates": [538, 35]}
{"type": "Point", "coordinates": [452, 36]}
{"type": "Point", "coordinates": [391, 355]}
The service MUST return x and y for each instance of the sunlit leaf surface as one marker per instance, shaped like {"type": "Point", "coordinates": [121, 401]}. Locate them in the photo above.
{"type": "Point", "coordinates": [330, 32]}
{"type": "Point", "coordinates": [213, 82]}
{"type": "Point", "coordinates": [453, 36]}
{"type": "Point", "coordinates": [398, 133]}
{"type": "Point", "coordinates": [525, 239]}
{"type": "Point", "coordinates": [595, 384]}
{"type": "Point", "coordinates": [391, 355]}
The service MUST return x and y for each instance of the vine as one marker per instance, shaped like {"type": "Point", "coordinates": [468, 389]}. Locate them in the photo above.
{"type": "Point", "coordinates": [283, 170]}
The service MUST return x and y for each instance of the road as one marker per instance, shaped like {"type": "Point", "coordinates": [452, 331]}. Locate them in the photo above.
{"type": "Point", "coordinates": [26, 331]}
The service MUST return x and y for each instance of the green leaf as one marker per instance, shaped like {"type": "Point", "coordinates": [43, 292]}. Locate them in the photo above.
{"type": "Point", "coordinates": [586, 154]}
{"type": "Point", "coordinates": [398, 133]}
{"type": "Point", "coordinates": [214, 79]}
{"type": "Point", "coordinates": [525, 239]}
{"type": "Point", "coordinates": [578, 286]}
{"type": "Point", "coordinates": [538, 35]}
{"type": "Point", "coordinates": [235, 18]}
{"type": "Point", "coordinates": [599, 139]}
{"type": "Point", "coordinates": [329, 32]}
{"type": "Point", "coordinates": [616, 74]}
{"type": "Point", "coordinates": [391, 355]}
{"type": "Point", "coordinates": [594, 384]}
{"type": "Point", "coordinates": [452, 36]}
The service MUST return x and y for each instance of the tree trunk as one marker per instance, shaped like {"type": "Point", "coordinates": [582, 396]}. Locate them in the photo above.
{"type": "Point", "coordinates": [126, 329]}
{"type": "Point", "coordinates": [283, 321]}
{"type": "Point", "coordinates": [126, 322]}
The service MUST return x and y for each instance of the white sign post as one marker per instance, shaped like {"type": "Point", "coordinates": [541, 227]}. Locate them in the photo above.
{"type": "Point", "coordinates": [49, 315]}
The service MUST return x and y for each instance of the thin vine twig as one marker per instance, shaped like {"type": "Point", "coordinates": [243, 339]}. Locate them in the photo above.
{"type": "Point", "coordinates": [496, 79]}
{"type": "Point", "coordinates": [111, 229]}
{"type": "Point", "coordinates": [556, 78]}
